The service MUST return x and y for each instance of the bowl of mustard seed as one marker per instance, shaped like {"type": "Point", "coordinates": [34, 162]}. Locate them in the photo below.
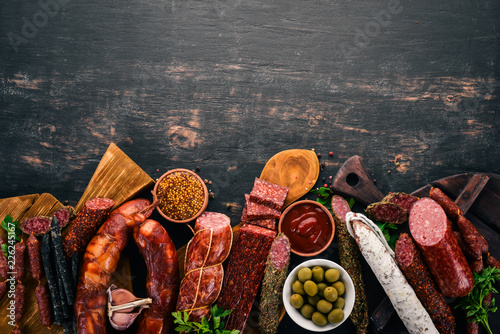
{"type": "Point", "coordinates": [182, 195]}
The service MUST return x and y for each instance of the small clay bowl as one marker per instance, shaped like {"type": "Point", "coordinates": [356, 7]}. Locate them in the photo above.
{"type": "Point", "coordinates": [300, 212]}
{"type": "Point", "coordinates": [205, 195]}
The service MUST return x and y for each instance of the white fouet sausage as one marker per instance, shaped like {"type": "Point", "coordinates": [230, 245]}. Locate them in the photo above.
{"type": "Point", "coordinates": [380, 259]}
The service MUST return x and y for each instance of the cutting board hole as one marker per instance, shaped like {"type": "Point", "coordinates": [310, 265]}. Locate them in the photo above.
{"type": "Point", "coordinates": [352, 179]}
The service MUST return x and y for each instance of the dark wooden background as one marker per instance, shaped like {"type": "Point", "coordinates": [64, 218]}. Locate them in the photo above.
{"type": "Point", "coordinates": [411, 86]}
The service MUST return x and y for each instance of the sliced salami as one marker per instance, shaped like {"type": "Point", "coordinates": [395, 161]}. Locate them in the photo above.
{"type": "Point", "coordinates": [404, 200]}
{"type": "Point", "coordinates": [41, 225]}
{"type": "Point", "coordinates": [269, 223]}
{"type": "Point", "coordinates": [387, 212]}
{"type": "Point", "coordinates": [442, 254]}
{"type": "Point", "coordinates": [260, 211]}
{"type": "Point", "coordinates": [244, 273]}
{"type": "Point", "coordinates": [268, 193]}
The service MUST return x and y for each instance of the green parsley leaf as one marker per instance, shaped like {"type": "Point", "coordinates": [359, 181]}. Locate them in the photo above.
{"type": "Point", "coordinates": [213, 326]}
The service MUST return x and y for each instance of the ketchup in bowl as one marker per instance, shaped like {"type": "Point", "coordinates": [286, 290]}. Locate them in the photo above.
{"type": "Point", "coordinates": [309, 226]}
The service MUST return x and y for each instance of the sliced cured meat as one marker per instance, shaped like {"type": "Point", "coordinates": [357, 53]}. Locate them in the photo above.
{"type": "Point", "coordinates": [472, 238]}
{"type": "Point", "coordinates": [413, 267]}
{"type": "Point", "coordinates": [244, 273]}
{"type": "Point", "coordinates": [451, 209]}
{"type": "Point", "coordinates": [441, 252]}
{"type": "Point", "coordinates": [350, 260]}
{"type": "Point", "coordinates": [204, 273]}
{"type": "Point", "coordinates": [268, 193]}
{"type": "Point", "coordinates": [402, 296]}
{"type": "Point", "coordinates": [260, 211]}
{"type": "Point", "coordinates": [387, 212]}
{"type": "Point", "coordinates": [41, 225]}
{"type": "Point", "coordinates": [269, 223]}
{"type": "Point", "coordinates": [404, 200]}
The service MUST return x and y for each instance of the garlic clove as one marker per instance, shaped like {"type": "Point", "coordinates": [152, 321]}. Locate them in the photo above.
{"type": "Point", "coordinates": [121, 306]}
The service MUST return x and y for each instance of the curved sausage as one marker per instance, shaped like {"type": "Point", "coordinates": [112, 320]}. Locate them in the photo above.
{"type": "Point", "coordinates": [205, 253]}
{"type": "Point", "coordinates": [19, 253]}
{"type": "Point", "coordinates": [451, 209]}
{"type": "Point", "coordinates": [440, 250]}
{"type": "Point", "coordinates": [99, 262]}
{"type": "Point", "coordinates": [472, 238]}
{"type": "Point", "coordinates": [413, 267]}
{"type": "Point", "coordinates": [44, 307]}
{"type": "Point", "coordinates": [35, 257]}
{"type": "Point", "coordinates": [162, 285]}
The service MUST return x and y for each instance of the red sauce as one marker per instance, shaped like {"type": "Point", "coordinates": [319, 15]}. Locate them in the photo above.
{"type": "Point", "coordinates": [308, 227]}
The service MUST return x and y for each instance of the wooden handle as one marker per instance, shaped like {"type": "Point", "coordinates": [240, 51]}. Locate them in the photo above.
{"type": "Point", "coordinates": [471, 191]}
{"type": "Point", "coordinates": [353, 180]}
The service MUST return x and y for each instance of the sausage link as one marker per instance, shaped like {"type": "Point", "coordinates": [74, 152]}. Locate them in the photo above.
{"type": "Point", "coordinates": [162, 283]}
{"type": "Point", "coordinates": [472, 238]}
{"type": "Point", "coordinates": [4, 263]}
{"type": "Point", "coordinates": [44, 307]}
{"type": "Point", "coordinates": [413, 267]}
{"type": "Point", "coordinates": [3, 289]}
{"type": "Point", "coordinates": [451, 209]}
{"type": "Point", "coordinates": [19, 253]}
{"type": "Point", "coordinates": [100, 261]}
{"type": "Point", "coordinates": [19, 299]}
{"type": "Point", "coordinates": [35, 257]}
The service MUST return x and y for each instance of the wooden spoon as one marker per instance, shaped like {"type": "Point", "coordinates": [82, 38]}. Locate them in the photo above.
{"type": "Point", "coordinates": [296, 169]}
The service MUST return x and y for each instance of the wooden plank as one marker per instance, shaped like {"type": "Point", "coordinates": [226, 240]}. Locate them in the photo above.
{"type": "Point", "coordinates": [15, 207]}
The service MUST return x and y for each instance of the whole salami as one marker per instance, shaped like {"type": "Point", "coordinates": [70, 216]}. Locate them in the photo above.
{"type": "Point", "coordinates": [162, 283]}
{"type": "Point", "coordinates": [440, 250]}
{"type": "Point", "coordinates": [413, 267]}
{"type": "Point", "coordinates": [204, 273]}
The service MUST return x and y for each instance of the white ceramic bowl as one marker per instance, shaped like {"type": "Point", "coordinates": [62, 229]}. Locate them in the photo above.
{"type": "Point", "coordinates": [295, 314]}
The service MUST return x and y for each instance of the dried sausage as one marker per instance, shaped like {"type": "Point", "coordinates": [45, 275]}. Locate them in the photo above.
{"type": "Point", "coordinates": [35, 257]}
{"type": "Point", "coordinates": [20, 254]}
{"type": "Point", "coordinates": [3, 289]}
{"type": "Point", "coordinates": [43, 301]}
{"type": "Point", "coordinates": [85, 225]}
{"type": "Point", "coordinates": [451, 209]}
{"type": "Point", "coordinates": [350, 261]}
{"type": "Point", "coordinates": [100, 261]}
{"type": "Point", "coordinates": [244, 273]}
{"type": "Point", "coordinates": [269, 223]}
{"type": "Point", "coordinates": [440, 250]}
{"type": "Point", "coordinates": [405, 201]}
{"type": "Point", "coordinates": [47, 257]}
{"type": "Point", "coordinates": [204, 273]}
{"type": "Point", "coordinates": [268, 193]}
{"type": "Point", "coordinates": [402, 296]}
{"type": "Point", "coordinates": [413, 267]}
{"type": "Point", "coordinates": [272, 284]}
{"type": "Point", "coordinates": [162, 285]}
{"type": "Point", "coordinates": [19, 301]}
{"type": "Point", "coordinates": [41, 225]}
{"type": "Point", "coordinates": [260, 211]}
{"type": "Point", "coordinates": [387, 212]}
{"type": "Point", "coordinates": [472, 238]}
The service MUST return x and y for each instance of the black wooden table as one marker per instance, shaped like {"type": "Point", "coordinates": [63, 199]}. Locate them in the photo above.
{"type": "Point", "coordinates": [223, 85]}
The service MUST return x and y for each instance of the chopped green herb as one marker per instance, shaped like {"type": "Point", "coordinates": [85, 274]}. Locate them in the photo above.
{"type": "Point", "coordinates": [213, 326]}
{"type": "Point", "coordinates": [390, 238]}
{"type": "Point", "coordinates": [12, 227]}
{"type": "Point", "coordinates": [473, 302]}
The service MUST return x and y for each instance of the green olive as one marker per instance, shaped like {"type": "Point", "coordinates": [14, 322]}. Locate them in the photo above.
{"type": "Point", "coordinates": [318, 274]}
{"type": "Point", "coordinates": [297, 300]}
{"type": "Point", "coordinates": [307, 311]}
{"type": "Point", "coordinates": [304, 274]}
{"type": "Point", "coordinates": [313, 300]}
{"type": "Point", "coordinates": [331, 294]}
{"type": "Point", "coordinates": [324, 306]}
{"type": "Point", "coordinates": [332, 275]}
{"type": "Point", "coordinates": [298, 287]}
{"type": "Point", "coordinates": [335, 316]}
{"type": "Point", "coordinates": [340, 287]}
{"type": "Point", "coordinates": [339, 303]}
{"type": "Point", "coordinates": [321, 287]}
{"type": "Point", "coordinates": [319, 318]}
{"type": "Point", "coordinates": [310, 288]}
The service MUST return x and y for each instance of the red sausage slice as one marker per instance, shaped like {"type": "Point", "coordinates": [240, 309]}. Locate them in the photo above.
{"type": "Point", "coordinates": [442, 254]}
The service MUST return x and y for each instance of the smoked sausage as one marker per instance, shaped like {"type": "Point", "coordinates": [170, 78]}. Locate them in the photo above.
{"type": "Point", "coordinates": [449, 207]}
{"type": "Point", "coordinates": [472, 238]}
{"type": "Point", "coordinates": [162, 284]}
{"type": "Point", "coordinates": [439, 247]}
{"type": "Point", "coordinates": [35, 257]}
{"type": "Point", "coordinates": [205, 253]}
{"type": "Point", "coordinates": [100, 261]}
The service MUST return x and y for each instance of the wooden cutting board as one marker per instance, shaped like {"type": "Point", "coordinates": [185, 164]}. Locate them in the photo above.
{"type": "Point", "coordinates": [353, 180]}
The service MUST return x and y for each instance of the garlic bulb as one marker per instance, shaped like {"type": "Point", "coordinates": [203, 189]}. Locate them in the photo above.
{"type": "Point", "coordinates": [124, 307]}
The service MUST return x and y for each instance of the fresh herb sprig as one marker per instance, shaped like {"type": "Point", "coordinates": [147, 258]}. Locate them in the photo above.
{"type": "Point", "coordinates": [325, 197]}
{"type": "Point", "coordinates": [474, 304]}
{"type": "Point", "coordinates": [12, 227]}
{"type": "Point", "coordinates": [213, 326]}
{"type": "Point", "coordinates": [385, 228]}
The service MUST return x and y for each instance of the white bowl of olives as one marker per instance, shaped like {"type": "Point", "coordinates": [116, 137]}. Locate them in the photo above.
{"type": "Point", "coordinates": [318, 295]}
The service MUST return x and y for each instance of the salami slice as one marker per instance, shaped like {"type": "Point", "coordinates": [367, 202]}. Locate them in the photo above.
{"type": "Point", "coordinates": [413, 267]}
{"type": "Point", "coordinates": [260, 211]}
{"type": "Point", "coordinates": [404, 200]}
{"type": "Point", "coordinates": [440, 250]}
{"type": "Point", "coordinates": [205, 253]}
{"type": "Point", "coordinates": [387, 212]}
{"type": "Point", "coordinates": [269, 223]}
{"type": "Point", "coordinates": [41, 225]}
{"type": "Point", "coordinates": [244, 273]}
{"type": "Point", "coordinates": [268, 193]}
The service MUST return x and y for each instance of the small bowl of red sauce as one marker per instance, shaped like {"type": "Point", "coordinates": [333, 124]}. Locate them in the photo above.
{"type": "Point", "coordinates": [182, 195]}
{"type": "Point", "coordinates": [309, 226]}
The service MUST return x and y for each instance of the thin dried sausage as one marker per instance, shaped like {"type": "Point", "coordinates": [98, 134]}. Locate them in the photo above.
{"type": "Point", "coordinates": [20, 255]}
{"type": "Point", "coordinates": [440, 250]}
{"type": "Point", "coordinates": [162, 285]}
{"type": "Point", "coordinates": [472, 238]}
{"type": "Point", "coordinates": [35, 257]}
{"type": "Point", "coordinates": [100, 261]}
{"type": "Point", "coordinates": [43, 301]}
{"type": "Point", "coordinates": [451, 209]}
